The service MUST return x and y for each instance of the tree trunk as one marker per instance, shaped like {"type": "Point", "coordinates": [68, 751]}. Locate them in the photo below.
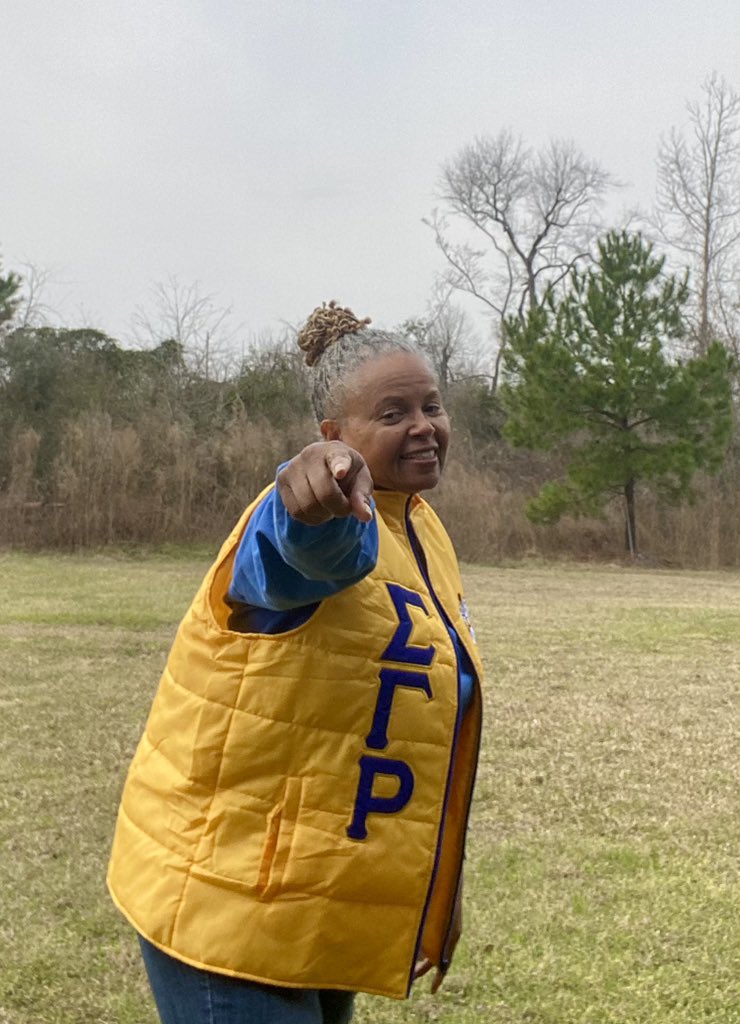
{"type": "Point", "coordinates": [704, 290]}
{"type": "Point", "coordinates": [629, 519]}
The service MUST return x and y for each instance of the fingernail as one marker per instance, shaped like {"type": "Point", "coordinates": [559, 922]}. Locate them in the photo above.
{"type": "Point", "coordinates": [368, 509]}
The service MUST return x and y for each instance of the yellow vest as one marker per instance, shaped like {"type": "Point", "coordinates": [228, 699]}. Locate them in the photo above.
{"type": "Point", "coordinates": [282, 819]}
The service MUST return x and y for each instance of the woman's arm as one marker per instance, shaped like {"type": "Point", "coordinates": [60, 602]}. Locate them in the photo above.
{"type": "Point", "coordinates": [281, 563]}
{"type": "Point", "coordinates": [310, 537]}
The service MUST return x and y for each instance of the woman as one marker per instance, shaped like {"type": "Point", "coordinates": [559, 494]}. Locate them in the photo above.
{"type": "Point", "coordinates": [292, 827]}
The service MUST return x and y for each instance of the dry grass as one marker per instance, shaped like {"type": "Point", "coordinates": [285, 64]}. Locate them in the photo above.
{"type": "Point", "coordinates": [602, 868]}
{"type": "Point", "coordinates": [161, 481]}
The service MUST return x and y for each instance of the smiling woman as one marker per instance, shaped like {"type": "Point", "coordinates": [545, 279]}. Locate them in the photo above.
{"type": "Point", "coordinates": [393, 414]}
{"type": "Point", "coordinates": [293, 824]}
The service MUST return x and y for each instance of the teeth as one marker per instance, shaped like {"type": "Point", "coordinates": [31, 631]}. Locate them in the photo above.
{"type": "Point", "coordinates": [428, 453]}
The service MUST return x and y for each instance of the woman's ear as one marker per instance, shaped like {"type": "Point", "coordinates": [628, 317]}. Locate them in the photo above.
{"type": "Point", "coordinates": [330, 430]}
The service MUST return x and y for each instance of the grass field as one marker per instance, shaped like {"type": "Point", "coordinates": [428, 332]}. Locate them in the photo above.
{"type": "Point", "coordinates": [603, 872]}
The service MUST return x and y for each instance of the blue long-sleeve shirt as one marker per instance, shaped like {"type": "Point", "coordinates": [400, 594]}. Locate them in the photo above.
{"type": "Point", "coordinates": [283, 569]}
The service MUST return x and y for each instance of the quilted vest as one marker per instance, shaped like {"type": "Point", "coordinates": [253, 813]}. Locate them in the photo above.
{"type": "Point", "coordinates": [296, 809]}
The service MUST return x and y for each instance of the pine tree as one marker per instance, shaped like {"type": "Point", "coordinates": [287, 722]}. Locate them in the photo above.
{"type": "Point", "coordinates": [9, 296]}
{"type": "Point", "coordinates": [594, 373]}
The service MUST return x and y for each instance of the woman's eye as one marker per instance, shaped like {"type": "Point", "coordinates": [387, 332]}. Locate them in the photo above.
{"type": "Point", "coordinates": [390, 416]}
{"type": "Point", "coordinates": [433, 409]}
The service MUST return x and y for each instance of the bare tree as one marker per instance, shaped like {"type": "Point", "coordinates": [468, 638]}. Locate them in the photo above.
{"type": "Point", "coordinates": [33, 311]}
{"type": "Point", "coordinates": [697, 210]}
{"type": "Point", "coordinates": [183, 314]}
{"type": "Point", "coordinates": [447, 336]}
{"type": "Point", "coordinates": [536, 213]}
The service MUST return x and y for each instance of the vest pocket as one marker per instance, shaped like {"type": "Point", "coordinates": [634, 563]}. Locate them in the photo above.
{"type": "Point", "coordinates": [281, 825]}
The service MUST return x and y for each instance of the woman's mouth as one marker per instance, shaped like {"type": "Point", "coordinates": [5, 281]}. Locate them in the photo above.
{"type": "Point", "coordinates": [421, 455]}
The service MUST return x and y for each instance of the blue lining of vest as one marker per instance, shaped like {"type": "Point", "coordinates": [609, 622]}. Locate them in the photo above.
{"type": "Point", "coordinates": [421, 559]}
{"type": "Point", "coordinates": [466, 671]}
{"type": "Point", "coordinates": [248, 618]}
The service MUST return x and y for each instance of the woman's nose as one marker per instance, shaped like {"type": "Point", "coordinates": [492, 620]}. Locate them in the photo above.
{"type": "Point", "coordinates": [421, 425]}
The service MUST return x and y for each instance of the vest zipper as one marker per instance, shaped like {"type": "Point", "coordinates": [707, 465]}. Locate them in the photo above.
{"type": "Point", "coordinates": [445, 959]}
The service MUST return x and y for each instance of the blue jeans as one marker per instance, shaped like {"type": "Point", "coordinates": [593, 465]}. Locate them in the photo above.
{"type": "Point", "coordinates": [189, 995]}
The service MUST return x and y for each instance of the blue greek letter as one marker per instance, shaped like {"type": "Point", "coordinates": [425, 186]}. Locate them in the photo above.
{"type": "Point", "coordinates": [366, 803]}
{"type": "Point", "coordinates": [399, 648]}
{"type": "Point", "coordinates": [390, 678]}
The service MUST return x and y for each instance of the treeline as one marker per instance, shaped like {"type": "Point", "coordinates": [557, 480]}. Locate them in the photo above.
{"type": "Point", "coordinates": [597, 418]}
{"type": "Point", "coordinates": [100, 444]}
{"type": "Point", "coordinates": [103, 444]}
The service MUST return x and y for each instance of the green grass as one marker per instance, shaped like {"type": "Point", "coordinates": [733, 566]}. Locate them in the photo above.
{"type": "Point", "coordinates": [602, 874]}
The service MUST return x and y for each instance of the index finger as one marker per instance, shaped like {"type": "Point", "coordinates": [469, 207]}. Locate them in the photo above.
{"type": "Point", "coordinates": [358, 494]}
{"type": "Point", "coordinates": [339, 464]}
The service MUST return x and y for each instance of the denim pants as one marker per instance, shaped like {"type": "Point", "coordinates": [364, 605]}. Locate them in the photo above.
{"type": "Point", "coordinates": [189, 995]}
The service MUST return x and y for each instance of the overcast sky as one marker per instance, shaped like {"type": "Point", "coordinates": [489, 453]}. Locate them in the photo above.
{"type": "Point", "coordinates": [282, 152]}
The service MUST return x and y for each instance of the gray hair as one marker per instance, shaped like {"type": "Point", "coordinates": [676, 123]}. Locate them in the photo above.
{"type": "Point", "coordinates": [337, 365]}
{"type": "Point", "coordinates": [337, 344]}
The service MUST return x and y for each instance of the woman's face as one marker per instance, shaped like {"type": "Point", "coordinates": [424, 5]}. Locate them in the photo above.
{"type": "Point", "coordinates": [393, 416]}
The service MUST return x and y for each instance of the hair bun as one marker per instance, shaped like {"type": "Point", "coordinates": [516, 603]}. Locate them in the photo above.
{"type": "Point", "coordinates": [326, 325]}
